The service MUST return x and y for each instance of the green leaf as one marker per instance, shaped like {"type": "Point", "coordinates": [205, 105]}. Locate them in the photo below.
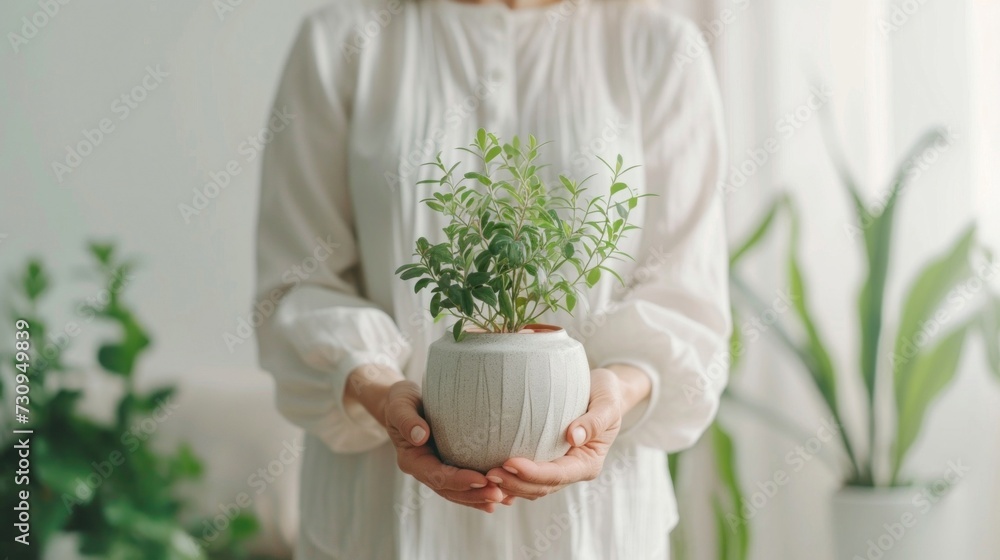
{"type": "Point", "coordinates": [918, 381]}
{"type": "Point", "coordinates": [493, 153]}
{"type": "Point", "coordinates": [243, 526]}
{"type": "Point", "coordinates": [737, 538]}
{"type": "Point", "coordinates": [35, 281]}
{"type": "Point", "coordinates": [568, 250]}
{"type": "Point", "coordinates": [877, 231]}
{"type": "Point", "coordinates": [929, 290]}
{"type": "Point", "coordinates": [916, 387]}
{"type": "Point", "coordinates": [478, 279]}
{"type": "Point", "coordinates": [468, 306]}
{"type": "Point", "coordinates": [570, 302]}
{"type": "Point", "coordinates": [479, 177]}
{"type": "Point", "coordinates": [621, 211]}
{"type": "Point", "coordinates": [435, 306]}
{"type": "Point", "coordinates": [485, 294]}
{"type": "Point", "coordinates": [506, 307]}
{"type": "Point", "coordinates": [990, 321]}
{"type": "Point", "coordinates": [593, 277]}
{"type": "Point", "coordinates": [818, 358]}
{"type": "Point", "coordinates": [413, 273]}
{"type": "Point", "coordinates": [421, 284]}
{"type": "Point", "coordinates": [759, 232]}
{"type": "Point", "coordinates": [617, 188]}
{"type": "Point", "coordinates": [458, 330]}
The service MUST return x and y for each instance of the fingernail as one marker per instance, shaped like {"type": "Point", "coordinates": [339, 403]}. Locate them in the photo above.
{"type": "Point", "coordinates": [477, 485]}
{"type": "Point", "coordinates": [495, 479]}
{"type": "Point", "coordinates": [579, 435]}
{"type": "Point", "coordinates": [511, 470]}
{"type": "Point", "coordinates": [417, 434]}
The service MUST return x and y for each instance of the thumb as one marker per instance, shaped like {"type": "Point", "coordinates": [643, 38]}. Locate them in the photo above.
{"type": "Point", "coordinates": [603, 413]}
{"type": "Point", "coordinates": [402, 412]}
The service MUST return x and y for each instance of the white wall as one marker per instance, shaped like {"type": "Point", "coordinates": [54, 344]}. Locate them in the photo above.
{"type": "Point", "coordinates": [196, 277]}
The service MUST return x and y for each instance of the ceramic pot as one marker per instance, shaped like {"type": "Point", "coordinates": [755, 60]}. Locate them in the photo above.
{"type": "Point", "coordinates": [494, 396]}
{"type": "Point", "coordinates": [910, 523]}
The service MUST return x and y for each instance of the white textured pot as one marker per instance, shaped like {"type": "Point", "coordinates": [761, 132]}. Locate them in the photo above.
{"type": "Point", "coordinates": [495, 396]}
{"type": "Point", "coordinates": [895, 524]}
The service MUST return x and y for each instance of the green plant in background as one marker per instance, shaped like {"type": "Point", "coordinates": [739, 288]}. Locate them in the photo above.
{"type": "Point", "coordinates": [919, 373]}
{"type": "Point", "coordinates": [919, 364]}
{"type": "Point", "coordinates": [515, 248]}
{"type": "Point", "coordinates": [96, 479]}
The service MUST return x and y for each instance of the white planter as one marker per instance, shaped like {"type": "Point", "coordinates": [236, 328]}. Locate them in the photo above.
{"type": "Point", "coordinates": [895, 524]}
{"type": "Point", "coordinates": [496, 396]}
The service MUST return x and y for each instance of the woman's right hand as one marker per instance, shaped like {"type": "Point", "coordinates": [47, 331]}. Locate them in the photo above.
{"type": "Point", "coordinates": [397, 405]}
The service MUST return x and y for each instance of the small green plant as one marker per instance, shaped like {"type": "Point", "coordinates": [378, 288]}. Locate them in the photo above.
{"type": "Point", "coordinates": [515, 248]}
{"type": "Point", "coordinates": [113, 487]}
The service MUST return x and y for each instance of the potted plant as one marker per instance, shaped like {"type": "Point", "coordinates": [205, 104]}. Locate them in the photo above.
{"type": "Point", "coordinates": [500, 384]}
{"type": "Point", "coordinates": [95, 489]}
{"type": "Point", "coordinates": [875, 510]}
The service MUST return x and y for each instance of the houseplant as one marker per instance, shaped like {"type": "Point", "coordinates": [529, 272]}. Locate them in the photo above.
{"type": "Point", "coordinates": [878, 504]}
{"type": "Point", "coordinates": [500, 385]}
{"type": "Point", "coordinates": [101, 486]}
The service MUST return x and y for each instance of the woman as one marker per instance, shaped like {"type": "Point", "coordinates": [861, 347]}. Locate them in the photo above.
{"type": "Point", "coordinates": [375, 89]}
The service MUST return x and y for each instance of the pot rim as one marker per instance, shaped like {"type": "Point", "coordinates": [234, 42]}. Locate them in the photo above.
{"type": "Point", "coordinates": [537, 328]}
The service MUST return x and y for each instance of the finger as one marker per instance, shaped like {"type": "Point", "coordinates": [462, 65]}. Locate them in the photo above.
{"type": "Point", "coordinates": [402, 412]}
{"type": "Point", "coordinates": [424, 465]}
{"type": "Point", "coordinates": [603, 413]}
{"type": "Point", "coordinates": [509, 500]}
{"type": "Point", "coordinates": [515, 486]}
{"type": "Point", "coordinates": [570, 468]}
{"type": "Point", "coordinates": [489, 495]}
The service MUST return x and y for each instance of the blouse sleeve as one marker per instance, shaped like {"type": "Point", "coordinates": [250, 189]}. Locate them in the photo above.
{"type": "Point", "coordinates": [314, 325]}
{"type": "Point", "coordinates": [674, 321]}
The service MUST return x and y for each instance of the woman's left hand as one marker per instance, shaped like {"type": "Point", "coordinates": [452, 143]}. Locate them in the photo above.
{"type": "Point", "coordinates": [590, 436]}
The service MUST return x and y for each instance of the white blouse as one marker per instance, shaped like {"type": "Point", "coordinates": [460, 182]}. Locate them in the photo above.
{"type": "Point", "coordinates": [377, 88]}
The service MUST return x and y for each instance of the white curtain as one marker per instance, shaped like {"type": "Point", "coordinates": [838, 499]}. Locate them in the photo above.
{"type": "Point", "coordinates": [885, 71]}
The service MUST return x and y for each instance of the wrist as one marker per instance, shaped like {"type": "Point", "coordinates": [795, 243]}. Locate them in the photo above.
{"type": "Point", "coordinates": [634, 383]}
{"type": "Point", "coordinates": [369, 385]}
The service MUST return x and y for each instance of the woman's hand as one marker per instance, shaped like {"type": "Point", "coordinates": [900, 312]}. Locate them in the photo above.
{"type": "Point", "coordinates": [613, 391]}
{"type": "Point", "coordinates": [397, 405]}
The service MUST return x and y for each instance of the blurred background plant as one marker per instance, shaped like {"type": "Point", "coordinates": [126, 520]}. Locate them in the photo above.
{"type": "Point", "coordinates": [947, 301]}
{"type": "Point", "coordinates": [110, 487]}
